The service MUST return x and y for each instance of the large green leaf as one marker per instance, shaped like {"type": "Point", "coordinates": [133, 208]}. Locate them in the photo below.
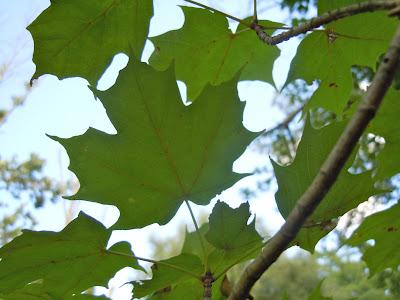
{"type": "Point", "coordinates": [212, 53]}
{"type": "Point", "coordinates": [348, 191]}
{"type": "Point", "coordinates": [164, 152]}
{"type": "Point", "coordinates": [68, 262]}
{"type": "Point", "coordinates": [386, 124]}
{"type": "Point", "coordinates": [80, 38]}
{"type": "Point", "coordinates": [329, 55]}
{"type": "Point", "coordinates": [384, 228]}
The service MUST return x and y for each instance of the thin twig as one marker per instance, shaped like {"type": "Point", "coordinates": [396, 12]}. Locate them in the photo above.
{"type": "Point", "coordinates": [202, 243]}
{"type": "Point", "coordinates": [285, 122]}
{"type": "Point", "coordinates": [326, 18]}
{"type": "Point", "coordinates": [161, 263]}
{"type": "Point", "coordinates": [328, 173]}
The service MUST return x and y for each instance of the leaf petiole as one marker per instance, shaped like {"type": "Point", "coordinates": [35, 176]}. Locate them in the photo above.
{"type": "Point", "coordinates": [202, 244]}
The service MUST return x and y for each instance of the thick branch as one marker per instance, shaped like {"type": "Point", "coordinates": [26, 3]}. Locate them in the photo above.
{"type": "Point", "coordinates": [327, 174]}
{"type": "Point", "coordinates": [326, 18]}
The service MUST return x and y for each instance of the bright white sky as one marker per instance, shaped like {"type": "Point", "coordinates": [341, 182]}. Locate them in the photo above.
{"type": "Point", "coordinates": [67, 108]}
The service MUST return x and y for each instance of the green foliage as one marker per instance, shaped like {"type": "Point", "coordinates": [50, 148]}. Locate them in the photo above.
{"type": "Point", "coordinates": [328, 55]}
{"type": "Point", "coordinates": [80, 38]}
{"type": "Point", "coordinates": [165, 278]}
{"type": "Point", "coordinates": [348, 191]}
{"type": "Point", "coordinates": [384, 228]}
{"type": "Point", "coordinates": [36, 291]}
{"type": "Point", "coordinates": [24, 181]}
{"type": "Point", "coordinates": [386, 125]}
{"type": "Point", "coordinates": [80, 250]}
{"type": "Point", "coordinates": [216, 252]}
{"type": "Point", "coordinates": [229, 229]}
{"type": "Point", "coordinates": [19, 178]}
{"type": "Point", "coordinates": [219, 53]}
{"type": "Point", "coordinates": [166, 152]}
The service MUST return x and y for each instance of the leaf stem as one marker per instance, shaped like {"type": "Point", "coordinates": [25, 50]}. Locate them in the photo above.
{"type": "Point", "coordinates": [162, 263]}
{"type": "Point", "coordinates": [202, 243]}
{"type": "Point", "coordinates": [255, 18]}
{"type": "Point", "coordinates": [220, 13]}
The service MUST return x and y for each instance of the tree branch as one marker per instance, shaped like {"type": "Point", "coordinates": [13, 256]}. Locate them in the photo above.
{"type": "Point", "coordinates": [326, 18]}
{"type": "Point", "coordinates": [201, 238]}
{"type": "Point", "coordinates": [327, 174]}
{"type": "Point", "coordinates": [285, 122]}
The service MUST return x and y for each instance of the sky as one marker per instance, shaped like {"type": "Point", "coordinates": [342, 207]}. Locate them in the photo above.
{"type": "Point", "coordinates": [66, 108]}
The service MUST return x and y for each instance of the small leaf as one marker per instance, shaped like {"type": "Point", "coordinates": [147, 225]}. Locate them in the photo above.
{"type": "Point", "coordinates": [80, 38]}
{"type": "Point", "coordinates": [228, 239]}
{"type": "Point", "coordinates": [229, 230]}
{"type": "Point", "coordinates": [384, 228]}
{"type": "Point", "coordinates": [212, 53]}
{"type": "Point", "coordinates": [164, 152]}
{"type": "Point", "coordinates": [348, 191]}
{"type": "Point", "coordinates": [79, 251]}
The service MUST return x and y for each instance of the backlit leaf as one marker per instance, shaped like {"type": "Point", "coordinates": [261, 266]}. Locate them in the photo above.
{"type": "Point", "coordinates": [228, 239]}
{"type": "Point", "coordinates": [229, 229]}
{"type": "Point", "coordinates": [212, 53]}
{"type": "Point", "coordinates": [348, 191]}
{"type": "Point", "coordinates": [386, 124]}
{"type": "Point", "coordinates": [78, 251]}
{"type": "Point", "coordinates": [328, 55]}
{"type": "Point", "coordinates": [165, 277]}
{"type": "Point", "coordinates": [384, 228]}
{"type": "Point", "coordinates": [80, 38]}
{"type": "Point", "coordinates": [164, 152]}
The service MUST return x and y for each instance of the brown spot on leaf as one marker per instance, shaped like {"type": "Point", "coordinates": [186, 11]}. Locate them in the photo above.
{"type": "Point", "coordinates": [391, 229]}
{"type": "Point", "coordinates": [333, 84]}
{"type": "Point", "coordinates": [163, 290]}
